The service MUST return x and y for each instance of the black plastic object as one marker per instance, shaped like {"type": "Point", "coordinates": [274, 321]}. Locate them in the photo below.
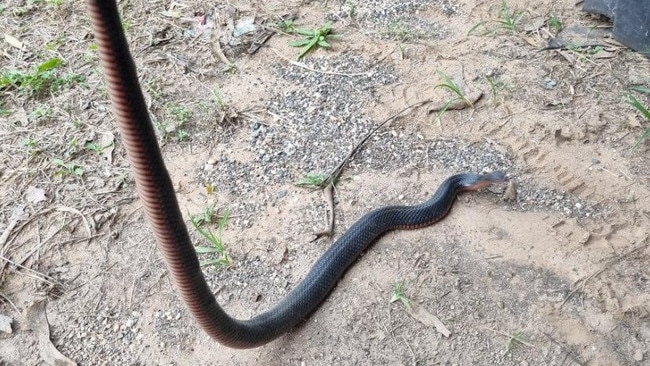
{"type": "Point", "coordinates": [631, 20]}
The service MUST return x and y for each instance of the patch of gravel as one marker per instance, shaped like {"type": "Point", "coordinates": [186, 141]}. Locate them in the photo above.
{"type": "Point", "coordinates": [405, 19]}
{"type": "Point", "coordinates": [456, 155]}
{"type": "Point", "coordinates": [108, 335]}
{"type": "Point", "coordinates": [273, 284]}
{"type": "Point", "coordinates": [319, 121]}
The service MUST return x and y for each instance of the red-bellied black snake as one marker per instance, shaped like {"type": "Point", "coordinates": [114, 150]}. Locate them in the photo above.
{"type": "Point", "coordinates": [159, 200]}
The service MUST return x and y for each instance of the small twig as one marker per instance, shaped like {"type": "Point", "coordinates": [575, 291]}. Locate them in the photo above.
{"type": "Point", "coordinates": [336, 173]}
{"type": "Point", "coordinates": [5, 234]}
{"type": "Point", "coordinates": [328, 183]}
{"type": "Point", "coordinates": [599, 271]}
{"type": "Point", "coordinates": [267, 33]}
{"type": "Point", "coordinates": [31, 273]}
{"type": "Point", "coordinates": [328, 196]}
{"type": "Point", "coordinates": [511, 337]}
{"type": "Point", "coordinates": [217, 46]}
{"type": "Point", "coordinates": [302, 65]}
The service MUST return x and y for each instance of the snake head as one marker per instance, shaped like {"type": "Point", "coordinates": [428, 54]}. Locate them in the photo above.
{"type": "Point", "coordinates": [474, 182]}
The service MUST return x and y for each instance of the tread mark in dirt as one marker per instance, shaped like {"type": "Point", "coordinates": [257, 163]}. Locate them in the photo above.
{"type": "Point", "coordinates": [534, 156]}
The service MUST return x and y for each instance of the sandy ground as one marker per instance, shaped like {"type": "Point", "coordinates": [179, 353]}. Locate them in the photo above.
{"type": "Point", "coordinates": [557, 274]}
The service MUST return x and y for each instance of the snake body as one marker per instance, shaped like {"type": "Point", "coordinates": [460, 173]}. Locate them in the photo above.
{"type": "Point", "coordinates": [159, 200]}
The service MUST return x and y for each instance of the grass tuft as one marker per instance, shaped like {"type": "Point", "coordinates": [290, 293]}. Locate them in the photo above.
{"type": "Point", "coordinates": [312, 180]}
{"type": "Point", "coordinates": [400, 295]}
{"type": "Point", "coordinates": [216, 246]}
{"type": "Point", "coordinates": [508, 22]}
{"type": "Point", "coordinates": [646, 114]}
{"type": "Point", "coordinates": [313, 38]}
{"type": "Point", "coordinates": [514, 341]}
{"type": "Point", "coordinates": [40, 78]}
{"type": "Point", "coordinates": [450, 85]}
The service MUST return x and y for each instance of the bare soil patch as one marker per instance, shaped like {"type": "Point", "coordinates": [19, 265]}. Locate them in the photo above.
{"type": "Point", "coordinates": [557, 275]}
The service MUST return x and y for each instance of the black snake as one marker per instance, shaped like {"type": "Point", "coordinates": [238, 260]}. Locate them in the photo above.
{"type": "Point", "coordinates": [160, 204]}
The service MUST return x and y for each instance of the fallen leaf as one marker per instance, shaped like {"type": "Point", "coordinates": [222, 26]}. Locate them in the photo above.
{"type": "Point", "coordinates": [5, 324]}
{"type": "Point", "coordinates": [423, 316]}
{"type": "Point", "coordinates": [35, 195]}
{"type": "Point", "coordinates": [37, 321]}
{"type": "Point", "coordinates": [18, 213]}
{"type": "Point", "coordinates": [13, 41]}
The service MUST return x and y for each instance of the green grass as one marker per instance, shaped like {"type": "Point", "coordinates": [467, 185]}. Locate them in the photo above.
{"type": "Point", "coordinates": [179, 116]}
{"type": "Point", "coordinates": [400, 295]}
{"type": "Point", "coordinates": [497, 86]}
{"type": "Point", "coordinates": [450, 85]}
{"type": "Point", "coordinates": [72, 147]}
{"type": "Point", "coordinates": [515, 341]}
{"type": "Point", "coordinates": [208, 216]}
{"type": "Point", "coordinates": [313, 38]}
{"type": "Point", "coordinates": [31, 145]}
{"type": "Point", "coordinates": [555, 24]}
{"type": "Point", "coordinates": [312, 180]}
{"type": "Point", "coordinates": [97, 148]}
{"type": "Point", "coordinates": [38, 79]}
{"type": "Point", "coordinates": [640, 89]}
{"type": "Point", "coordinates": [508, 22]}
{"type": "Point", "coordinates": [216, 247]}
{"type": "Point", "coordinates": [67, 168]}
{"type": "Point", "coordinates": [646, 114]}
{"type": "Point", "coordinates": [218, 100]}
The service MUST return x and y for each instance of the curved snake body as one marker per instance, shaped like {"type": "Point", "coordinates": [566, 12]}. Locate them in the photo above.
{"type": "Point", "coordinates": [157, 194]}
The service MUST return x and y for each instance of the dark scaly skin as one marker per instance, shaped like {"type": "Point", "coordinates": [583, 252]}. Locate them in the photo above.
{"type": "Point", "coordinates": [159, 200]}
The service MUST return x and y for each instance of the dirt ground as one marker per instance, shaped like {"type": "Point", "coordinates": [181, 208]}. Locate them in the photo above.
{"type": "Point", "coordinates": [557, 274]}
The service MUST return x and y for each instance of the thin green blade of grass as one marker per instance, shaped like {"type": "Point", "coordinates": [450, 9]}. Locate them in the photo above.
{"type": "Point", "coordinates": [453, 87]}
{"type": "Point", "coordinates": [442, 111]}
{"type": "Point", "coordinates": [222, 222]}
{"type": "Point", "coordinates": [636, 104]}
{"type": "Point", "coordinates": [217, 246]}
{"type": "Point", "coordinates": [300, 42]}
{"type": "Point", "coordinates": [400, 295]}
{"type": "Point", "coordinates": [305, 32]}
{"type": "Point", "coordinates": [474, 28]}
{"type": "Point", "coordinates": [641, 89]}
{"type": "Point", "coordinates": [206, 250]}
{"type": "Point", "coordinates": [313, 42]}
{"type": "Point", "coordinates": [323, 43]}
{"type": "Point", "coordinates": [643, 138]}
{"type": "Point", "coordinates": [311, 180]}
{"type": "Point", "coordinates": [646, 114]}
{"type": "Point", "coordinates": [50, 64]}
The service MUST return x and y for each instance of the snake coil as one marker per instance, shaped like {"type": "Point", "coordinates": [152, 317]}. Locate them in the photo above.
{"type": "Point", "coordinates": [159, 200]}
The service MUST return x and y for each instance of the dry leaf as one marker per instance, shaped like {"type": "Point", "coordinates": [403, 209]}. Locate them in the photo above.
{"type": "Point", "coordinates": [37, 321]}
{"type": "Point", "coordinates": [35, 195]}
{"type": "Point", "coordinates": [13, 41]}
{"type": "Point", "coordinates": [5, 324]}
{"type": "Point", "coordinates": [423, 316]}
